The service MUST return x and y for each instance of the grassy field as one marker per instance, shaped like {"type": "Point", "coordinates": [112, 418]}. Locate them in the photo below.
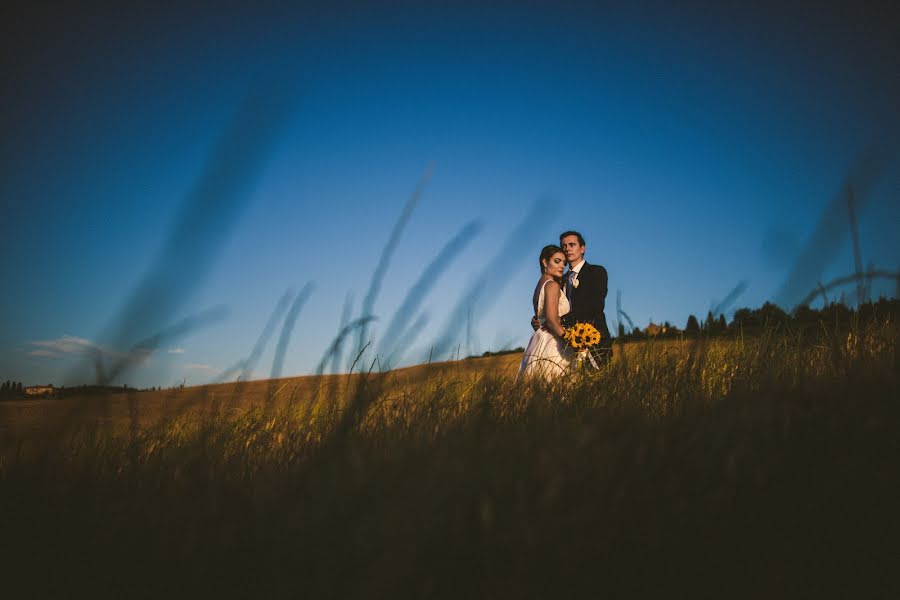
{"type": "Point", "coordinates": [714, 468]}
{"type": "Point", "coordinates": [121, 412]}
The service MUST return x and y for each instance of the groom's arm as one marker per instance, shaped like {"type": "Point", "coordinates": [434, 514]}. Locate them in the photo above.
{"type": "Point", "coordinates": [599, 305]}
{"type": "Point", "coordinates": [598, 297]}
{"type": "Point", "coordinates": [602, 289]}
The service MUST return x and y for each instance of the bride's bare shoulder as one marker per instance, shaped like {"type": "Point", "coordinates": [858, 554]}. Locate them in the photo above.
{"type": "Point", "coordinates": [541, 283]}
{"type": "Point", "coordinates": [553, 290]}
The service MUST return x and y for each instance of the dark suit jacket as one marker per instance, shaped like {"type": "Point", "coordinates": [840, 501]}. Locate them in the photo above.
{"type": "Point", "coordinates": [588, 301]}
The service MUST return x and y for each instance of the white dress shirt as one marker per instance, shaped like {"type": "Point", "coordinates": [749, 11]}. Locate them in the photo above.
{"type": "Point", "coordinates": [570, 279]}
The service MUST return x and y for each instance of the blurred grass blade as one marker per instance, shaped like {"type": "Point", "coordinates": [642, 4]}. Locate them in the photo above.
{"type": "Point", "coordinates": [335, 346]}
{"type": "Point", "coordinates": [207, 216]}
{"type": "Point", "coordinates": [483, 290]}
{"type": "Point", "coordinates": [390, 341]}
{"type": "Point", "coordinates": [337, 355]}
{"type": "Point", "coordinates": [384, 260]}
{"type": "Point", "coordinates": [733, 295]}
{"type": "Point", "coordinates": [832, 229]}
{"type": "Point", "coordinates": [287, 329]}
{"type": "Point", "coordinates": [245, 366]}
{"type": "Point", "coordinates": [405, 341]}
{"type": "Point", "coordinates": [143, 349]}
{"type": "Point", "coordinates": [267, 332]}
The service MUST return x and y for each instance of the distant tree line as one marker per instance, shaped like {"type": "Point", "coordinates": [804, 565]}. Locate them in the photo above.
{"type": "Point", "coordinates": [11, 390]}
{"type": "Point", "coordinates": [752, 321]}
{"type": "Point", "coordinates": [92, 390]}
{"type": "Point", "coordinates": [497, 353]}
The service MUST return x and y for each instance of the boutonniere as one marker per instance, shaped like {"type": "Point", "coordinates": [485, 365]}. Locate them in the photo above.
{"type": "Point", "coordinates": [575, 281]}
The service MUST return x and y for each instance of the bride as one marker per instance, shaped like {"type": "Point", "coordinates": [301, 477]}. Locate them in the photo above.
{"type": "Point", "coordinates": [546, 354]}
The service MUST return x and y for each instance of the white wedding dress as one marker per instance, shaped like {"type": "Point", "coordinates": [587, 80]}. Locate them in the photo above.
{"type": "Point", "coordinates": [546, 355]}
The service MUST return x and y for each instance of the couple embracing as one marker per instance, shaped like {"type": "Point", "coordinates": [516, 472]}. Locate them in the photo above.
{"type": "Point", "coordinates": [562, 299]}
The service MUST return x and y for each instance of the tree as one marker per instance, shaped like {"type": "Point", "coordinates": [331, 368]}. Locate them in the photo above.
{"type": "Point", "coordinates": [692, 327]}
{"type": "Point", "coordinates": [768, 316]}
{"type": "Point", "coordinates": [722, 324]}
{"type": "Point", "coordinates": [772, 314]}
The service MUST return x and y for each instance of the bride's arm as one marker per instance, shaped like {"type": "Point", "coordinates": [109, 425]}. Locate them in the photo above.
{"type": "Point", "coordinates": [551, 309]}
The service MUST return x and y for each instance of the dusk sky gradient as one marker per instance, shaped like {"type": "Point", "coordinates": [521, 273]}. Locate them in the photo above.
{"type": "Point", "coordinates": [695, 148]}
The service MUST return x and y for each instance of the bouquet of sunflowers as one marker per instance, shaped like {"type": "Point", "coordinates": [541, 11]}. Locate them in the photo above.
{"type": "Point", "coordinates": [582, 337]}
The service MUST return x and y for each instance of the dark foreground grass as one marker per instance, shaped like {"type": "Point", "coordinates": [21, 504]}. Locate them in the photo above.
{"type": "Point", "coordinates": [755, 468]}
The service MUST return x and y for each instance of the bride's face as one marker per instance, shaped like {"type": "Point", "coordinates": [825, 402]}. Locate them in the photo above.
{"type": "Point", "coordinates": [556, 264]}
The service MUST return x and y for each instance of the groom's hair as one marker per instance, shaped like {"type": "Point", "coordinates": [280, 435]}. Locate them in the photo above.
{"type": "Point", "coordinates": [575, 233]}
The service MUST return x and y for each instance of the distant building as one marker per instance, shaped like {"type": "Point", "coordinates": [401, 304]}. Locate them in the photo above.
{"type": "Point", "coordinates": [654, 330]}
{"type": "Point", "coordinates": [39, 390]}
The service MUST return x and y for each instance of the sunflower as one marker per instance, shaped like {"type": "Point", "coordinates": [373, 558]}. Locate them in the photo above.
{"type": "Point", "coordinates": [581, 336]}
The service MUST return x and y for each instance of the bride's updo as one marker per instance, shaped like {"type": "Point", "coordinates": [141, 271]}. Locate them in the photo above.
{"type": "Point", "coordinates": [546, 253]}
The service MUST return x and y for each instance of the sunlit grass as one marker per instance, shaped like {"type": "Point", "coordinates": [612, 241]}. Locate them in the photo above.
{"type": "Point", "coordinates": [720, 467]}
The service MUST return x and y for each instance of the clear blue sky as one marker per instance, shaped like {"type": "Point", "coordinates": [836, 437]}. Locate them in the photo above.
{"type": "Point", "coordinates": [694, 149]}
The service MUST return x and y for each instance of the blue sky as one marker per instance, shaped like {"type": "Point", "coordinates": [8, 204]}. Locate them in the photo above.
{"type": "Point", "coordinates": [695, 148]}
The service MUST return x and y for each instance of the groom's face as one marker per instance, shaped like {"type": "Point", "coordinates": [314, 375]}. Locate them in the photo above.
{"type": "Point", "coordinates": [574, 251]}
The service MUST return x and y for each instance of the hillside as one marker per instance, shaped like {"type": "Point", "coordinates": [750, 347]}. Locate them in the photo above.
{"type": "Point", "coordinates": [121, 410]}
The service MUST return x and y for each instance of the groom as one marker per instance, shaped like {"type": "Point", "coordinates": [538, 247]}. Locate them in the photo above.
{"type": "Point", "coordinates": [585, 287]}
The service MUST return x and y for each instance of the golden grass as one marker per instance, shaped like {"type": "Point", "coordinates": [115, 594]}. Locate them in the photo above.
{"type": "Point", "coordinates": [120, 411]}
{"type": "Point", "coordinates": [752, 467]}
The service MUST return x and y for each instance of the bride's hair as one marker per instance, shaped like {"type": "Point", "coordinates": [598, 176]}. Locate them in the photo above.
{"type": "Point", "coordinates": [546, 253]}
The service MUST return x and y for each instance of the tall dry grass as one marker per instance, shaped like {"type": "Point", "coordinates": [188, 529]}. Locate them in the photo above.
{"type": "Point", "coordinates": [714, 468]}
